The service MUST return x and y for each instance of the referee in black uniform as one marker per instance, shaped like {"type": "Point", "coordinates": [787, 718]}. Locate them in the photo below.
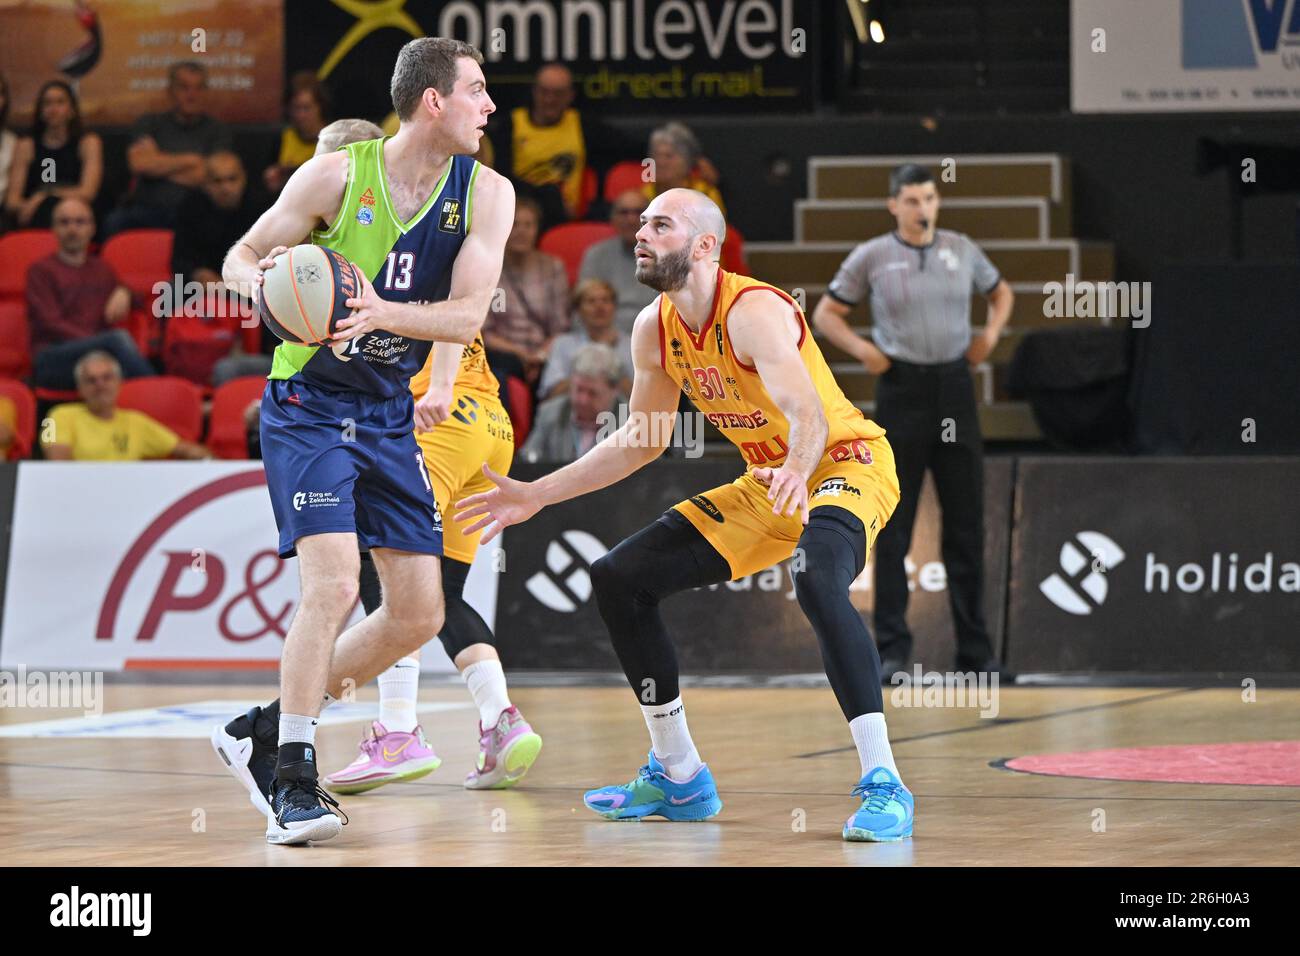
{"type": "Point", "coordinates": [920, 281]}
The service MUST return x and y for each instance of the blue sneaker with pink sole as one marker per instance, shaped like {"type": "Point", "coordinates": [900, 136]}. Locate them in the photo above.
{"type": "Point", "coordinates": [654, 794]}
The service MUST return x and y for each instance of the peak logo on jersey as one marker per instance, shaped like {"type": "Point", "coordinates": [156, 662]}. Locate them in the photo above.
{"type": "Point", "coordinates": [449, 218]}
{"type": "Point", "coordinates": [367, 198]}
{"type": "Point", "coordinates": [709, 508]}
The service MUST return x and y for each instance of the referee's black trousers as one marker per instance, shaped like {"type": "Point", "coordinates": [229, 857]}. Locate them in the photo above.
{"type": "Point", "coordinates": [932, 422]}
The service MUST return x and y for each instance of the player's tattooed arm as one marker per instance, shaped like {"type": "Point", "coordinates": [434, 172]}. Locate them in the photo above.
{"type": "Point", "coordinates": [764, 327]}
{"type": "Point", "coordinates": [474, 278]}
{"type": "Point", "coordinates": [640, 440]}
{"type": "Point", "coordinates": [312, 195]}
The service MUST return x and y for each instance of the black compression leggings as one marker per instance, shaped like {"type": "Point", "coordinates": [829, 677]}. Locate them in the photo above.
{"type": "Point", "coordinates": [671, 556]}
{"type": "Point", "coordinates": [463, 625]}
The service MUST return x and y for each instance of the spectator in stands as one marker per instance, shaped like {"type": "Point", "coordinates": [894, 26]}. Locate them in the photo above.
{"type": "Point", "coordinates": [95, 429]}
{"type": "Point", "coordinates": [613, 261]}
{"type": "Point", "coordinates": [534, 301]}
{"type": "Point", "coordinates": [922, 347]}
{"type": "Point", "coordinates": [8, 425]}
{"type": "Point", "coordinates": [568, 425]}
{"type": "Point", "coordinates": [167, 152]}
{"type": "Point", "coordinates": [546, 147]}
{"type": "Point", "coordinates": [679, 162]}
{"type": "Point", "coordinates": [595, 302]}
{"type": "Point", "coordinates": [307, 106]}
{"type": "Point", "coordinates": [75, 303]}
{"type": "Point", "coordinates": [58, 160]}
{"type": "Point", "coordinates": [8, 144]}
{"type": "Point", "coordinates": [208, 223]}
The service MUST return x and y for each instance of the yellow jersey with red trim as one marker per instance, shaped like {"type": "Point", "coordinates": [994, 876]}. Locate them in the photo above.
{"type": "Point", "coordinates": [730, 393]}
{"type": "Point", "coordinates": [472, 376]}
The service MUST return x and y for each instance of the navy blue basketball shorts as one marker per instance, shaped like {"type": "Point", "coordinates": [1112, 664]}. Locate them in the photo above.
{"type": "Point", "coordinates": [346, 461]}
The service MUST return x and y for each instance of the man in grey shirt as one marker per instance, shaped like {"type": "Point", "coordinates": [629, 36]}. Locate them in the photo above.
{"type": "Point", "coordinates": [920, 281]}
{"type": "Point", "coordinates": [612, 260]}
{"type": "Point", "coordinates": [168, 151]}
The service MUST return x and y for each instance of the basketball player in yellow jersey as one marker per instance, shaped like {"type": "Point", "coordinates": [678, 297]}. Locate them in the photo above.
{"type": "Point", "coordinates": [819, 485]}
{"type": "Point", "coordinates": [460, 425]}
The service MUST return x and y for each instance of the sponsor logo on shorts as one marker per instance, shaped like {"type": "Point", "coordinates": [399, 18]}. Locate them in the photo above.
{"type": "Point", "coordinates": [834, 487]}
{"type": "Point", "coordinates": [449, 218]}
{"type": "Point", "coordinates": [709, 508]}
{"type": "Point", "coordinates": [314, 499]}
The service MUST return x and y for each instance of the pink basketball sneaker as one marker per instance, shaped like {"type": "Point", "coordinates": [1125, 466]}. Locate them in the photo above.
{"type": "Point", "coordinates": [386, 757]}
{"type": "Point", "coordinates": [505, 752]}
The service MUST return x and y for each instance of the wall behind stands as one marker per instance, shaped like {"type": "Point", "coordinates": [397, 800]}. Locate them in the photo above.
{"type": "Point", "coordinates": [1134, 177]}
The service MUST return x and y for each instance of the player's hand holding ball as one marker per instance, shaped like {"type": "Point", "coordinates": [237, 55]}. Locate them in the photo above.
{"type": "Point", "coordinates": [304, 293]}
{"type": "Point", "coordinates": [788, 490]}
{"type": "Point", "coordinates": [368, 311]}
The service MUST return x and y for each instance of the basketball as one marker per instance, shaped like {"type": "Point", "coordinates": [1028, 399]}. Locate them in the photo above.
{"type": "Point", "coordinates": [303, 295]}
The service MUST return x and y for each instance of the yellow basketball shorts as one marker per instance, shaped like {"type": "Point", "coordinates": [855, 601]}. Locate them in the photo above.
{"type": "Point", "coordinates": [737, 519]}
{"type": "Point", "coordinates": [477, 431]}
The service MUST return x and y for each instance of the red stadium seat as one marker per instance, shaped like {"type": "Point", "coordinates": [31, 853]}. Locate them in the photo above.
{"type": "Point", "coordinates": [25, 406]}
{"type": "Point", "coordinates": [590, 187]}
{"type": "Point", "coordinates": [570, 240]}
{"type": "Point", "coordinates": [622, 177]}
{"type": "Point", "coordinates": [227, 436]}
{"type": "Point", "coordinates": [142, 258]}
{"type": "Point", "coordinates": [174, 402]}
{"type": "Point", "coordinates": [733, 252]}
{"type": "Point", "coordinates": [18, 250]}
{"type": "Point", "coordinates": [193, 344]}
{"type": "Point", "coordinates": [15, 356]}
{"type": "Point", "coordinates": [521, 408]}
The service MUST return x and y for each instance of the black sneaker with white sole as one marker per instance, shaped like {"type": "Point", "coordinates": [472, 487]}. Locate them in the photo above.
{"type": "Point", "coordinates": [248, 748]}
{"type": "Point", "coordinates": [302, 809]}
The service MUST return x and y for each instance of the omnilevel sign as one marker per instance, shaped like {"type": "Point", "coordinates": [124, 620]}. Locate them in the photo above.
{"type": "Point", "coordinates": [751, 54]}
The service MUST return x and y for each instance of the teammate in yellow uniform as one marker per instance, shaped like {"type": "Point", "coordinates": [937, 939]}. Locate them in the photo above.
{"type": "Point", "coordinates": [819, 485]}
{"type": "Point", "coordinates": [460, 425]}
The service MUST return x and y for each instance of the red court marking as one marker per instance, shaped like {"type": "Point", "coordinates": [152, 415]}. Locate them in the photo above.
{"type": "Point", "coordinates": [1266, 763]}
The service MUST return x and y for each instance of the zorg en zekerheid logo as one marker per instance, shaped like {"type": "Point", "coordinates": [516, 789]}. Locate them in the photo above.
{"type": "Point", "coordinates": [1083, 583]}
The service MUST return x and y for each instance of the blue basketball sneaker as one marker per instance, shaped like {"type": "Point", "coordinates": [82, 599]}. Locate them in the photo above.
{"type": "Point", "coordinates": [302, 809]}
{"type": "Point", "coordinates": [654, 794]}
{"type": "Point", "coordinates": [886, 812]}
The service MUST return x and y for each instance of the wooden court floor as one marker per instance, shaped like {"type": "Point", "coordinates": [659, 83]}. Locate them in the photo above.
{"type": "Point", "coordinates": [782, 759]}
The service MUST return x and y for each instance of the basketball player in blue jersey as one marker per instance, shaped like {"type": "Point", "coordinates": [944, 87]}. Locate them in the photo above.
{"type": "Point", "coordinates": [426, 226]}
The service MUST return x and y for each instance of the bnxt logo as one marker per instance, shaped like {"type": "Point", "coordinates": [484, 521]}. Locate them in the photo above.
{"type": "Point", "coordinates": [1224, 34]}
{"type": "Point", "coordinates": [1085, 569]}
{"type": "Point", "coordinates": [567, 582]}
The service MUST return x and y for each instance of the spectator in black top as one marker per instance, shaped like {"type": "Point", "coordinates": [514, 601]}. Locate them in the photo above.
{"type": "Point", "coordinates": [60, 159]}
{"type": "Point", "coordinates": [167, 153]}
{"type": "Point", "coordinates": [209, 222]}
{"type": "Point", "coordinates": [8, 145]}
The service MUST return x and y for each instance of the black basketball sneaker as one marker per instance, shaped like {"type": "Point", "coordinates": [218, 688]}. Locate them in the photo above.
{"type": "Point", "coordinates": [249, 747]}
{"type": "Point", "coordinates": [302, 809]}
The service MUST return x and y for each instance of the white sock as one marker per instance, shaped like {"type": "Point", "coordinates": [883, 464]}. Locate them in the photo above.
{"type": "Point", "coordinates": [398, 687]}
{"type": "Point", "coordinates": [296, 729]}
{"type": "Point", "coordinates": [670, 739]}
{"type": "Point", "coordinates": [872, 740]}
{"type": "Point", "coordinates": [487, 685]}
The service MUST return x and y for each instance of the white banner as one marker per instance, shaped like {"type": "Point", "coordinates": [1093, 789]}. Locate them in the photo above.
{"type": "Point", "coordinates": [1175, 55]}
{"type": "Point", "coordinates": [158, 565]}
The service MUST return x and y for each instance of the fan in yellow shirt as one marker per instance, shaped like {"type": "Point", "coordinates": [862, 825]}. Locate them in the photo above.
{"type": "Point", "coordinates": [95, 429]}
